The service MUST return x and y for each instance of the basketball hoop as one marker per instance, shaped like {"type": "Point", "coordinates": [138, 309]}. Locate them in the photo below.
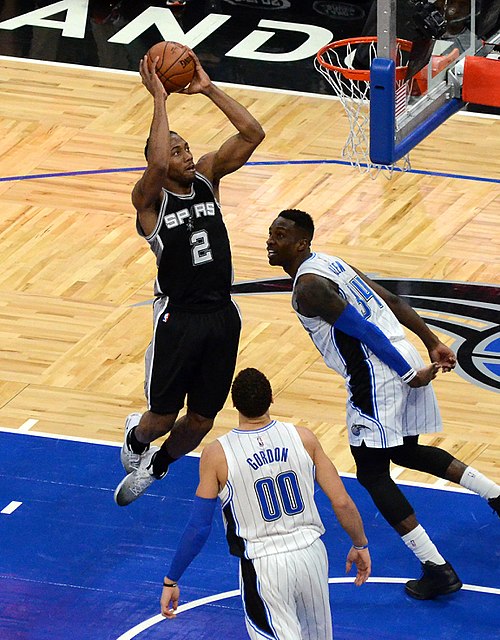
{"type": "Point", "coordinates": [335, 63]}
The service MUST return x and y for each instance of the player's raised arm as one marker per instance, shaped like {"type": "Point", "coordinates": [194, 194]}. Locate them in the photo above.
{"type": "Point", "coordinates": [147, 191]}
{"type": "Point", "coordinates": [235, 151]}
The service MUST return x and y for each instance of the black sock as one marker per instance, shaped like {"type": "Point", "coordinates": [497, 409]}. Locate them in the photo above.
{"type": "Point", "coordinates": [161, 461]}
{"type": "Point", "coordinates": [134, 444]}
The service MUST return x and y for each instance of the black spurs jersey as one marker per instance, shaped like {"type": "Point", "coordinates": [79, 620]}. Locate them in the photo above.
{"type": "Point", "coordinates": [191, 246]}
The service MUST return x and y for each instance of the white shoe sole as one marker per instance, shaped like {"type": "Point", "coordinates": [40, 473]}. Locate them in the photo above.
{"type": "Point", "coordinates": [124, 495]}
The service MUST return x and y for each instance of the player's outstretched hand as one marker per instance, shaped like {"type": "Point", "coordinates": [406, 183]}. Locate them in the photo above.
{"type": "Point", "coordinates": [361, 558]}
{"type": "Point", "coordinates": [444, 356]}
{"type": "Point", "coordinates": [425, 375]}
{"type": "Point", "coordinates": [169, 601]}
{"type": "Point", "coordinates": [149, 78]}
{"type": "Point", "coordinates": [201, 80]}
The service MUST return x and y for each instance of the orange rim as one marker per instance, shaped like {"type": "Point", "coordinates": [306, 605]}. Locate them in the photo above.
{"type": "Point", "coordinates": [360, 74]}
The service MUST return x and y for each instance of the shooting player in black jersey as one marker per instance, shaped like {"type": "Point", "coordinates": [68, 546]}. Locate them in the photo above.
{"type": "Point", "coordinates": [196, 325]}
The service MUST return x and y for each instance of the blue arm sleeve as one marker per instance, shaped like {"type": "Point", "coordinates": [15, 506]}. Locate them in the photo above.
{"type": "Point", "coordinates": [352, 323]}
{"type": "Point", "coordinates": [194, 537]}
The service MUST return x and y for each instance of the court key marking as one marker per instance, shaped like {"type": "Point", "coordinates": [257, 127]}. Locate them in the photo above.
{"type": "Point", "coordinates": [150, 622]}
{"type": "Point", "coordinates": [11, 507]}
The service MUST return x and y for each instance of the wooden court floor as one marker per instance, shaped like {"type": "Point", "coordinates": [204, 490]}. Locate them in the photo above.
{"type": "Point", "coordinates": [75, 275]}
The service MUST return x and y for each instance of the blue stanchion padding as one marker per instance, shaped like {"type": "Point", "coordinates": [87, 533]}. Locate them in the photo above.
{"type": "Point", "coordinates": [383, 147]}
{"type": "Point", "coordinates": [382, 110]}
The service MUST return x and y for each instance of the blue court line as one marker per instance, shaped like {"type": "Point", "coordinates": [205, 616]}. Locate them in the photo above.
{"type": "Point", "coordinates": [66, 174]}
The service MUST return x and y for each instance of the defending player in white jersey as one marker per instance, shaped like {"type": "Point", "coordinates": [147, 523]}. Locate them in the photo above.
{"type": "Point", "coordinates": [264, 472]}
{"type": "Point", "coordinates": [357, 326]}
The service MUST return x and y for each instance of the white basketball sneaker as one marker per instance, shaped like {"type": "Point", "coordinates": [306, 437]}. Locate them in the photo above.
{"type": "Point", "coordinates": [138, 481]}
{"type": "Point", "coordinates": [130, 460]}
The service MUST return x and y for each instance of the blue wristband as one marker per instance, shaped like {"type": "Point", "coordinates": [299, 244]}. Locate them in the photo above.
{"type": "Point", "coordinates": [194, 537]}
{"type": "Point", "coordinates": [352, 323]}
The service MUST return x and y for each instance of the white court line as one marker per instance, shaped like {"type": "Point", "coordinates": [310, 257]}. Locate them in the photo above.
{"type": "Point", "coordinates": [146, 624]}
{"type": "Point", "coordinates": [11, 507]}
{"type": "Point", "coordinates": [194, 454]}
{"type": "Point", "coordinates": [234, 85]}
{"type": "Point", "coordinates": [440, 482]}
{"type": "Point", "coordinates": [396, 472]}
{"type": "Point", "coordinates": [26, 426]}
{"type": "Point", "coordinates": [58, 436]}
{"type": "Point", "coordinates": [142, 626]}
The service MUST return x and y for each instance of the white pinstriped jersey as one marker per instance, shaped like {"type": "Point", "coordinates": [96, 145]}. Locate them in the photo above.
{"type": "Point", "coordinates": [268, 501]}
{"type": "Point", "coordinates": [381, 408]}
{"type": "Point", "coordinates": [355, 291]}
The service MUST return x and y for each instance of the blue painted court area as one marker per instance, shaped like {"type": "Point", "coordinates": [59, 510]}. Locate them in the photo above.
{"type": "Point", "coordinates": [75, 566]}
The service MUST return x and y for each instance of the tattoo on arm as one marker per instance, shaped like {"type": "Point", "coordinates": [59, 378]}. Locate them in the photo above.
{"type": "Point", "coordinates": [318, 296]}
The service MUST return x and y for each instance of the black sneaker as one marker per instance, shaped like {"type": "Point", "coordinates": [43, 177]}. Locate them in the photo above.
{"type": "Point", "coordinates": [436, 580]}
{"type": "Point", "coordinates": [495, 505]}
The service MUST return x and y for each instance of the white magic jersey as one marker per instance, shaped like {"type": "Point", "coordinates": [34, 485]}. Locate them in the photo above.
{"type": "Point", "coordinates": [381, 408]}
{"type": "Point", "coordinates": [268, 501]}
{"type": "Point", "coordinates": [355, 291]}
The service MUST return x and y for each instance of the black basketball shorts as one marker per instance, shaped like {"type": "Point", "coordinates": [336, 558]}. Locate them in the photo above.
{"type": "Point", "coordinates": [191, 355]}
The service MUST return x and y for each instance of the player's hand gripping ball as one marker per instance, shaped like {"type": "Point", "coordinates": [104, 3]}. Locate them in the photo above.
{"type": "Point", "coordinates": [175, 67]}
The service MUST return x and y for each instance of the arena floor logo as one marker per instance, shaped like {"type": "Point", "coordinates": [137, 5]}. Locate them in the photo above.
{"type": "Point", "coordinates": [467, 312]}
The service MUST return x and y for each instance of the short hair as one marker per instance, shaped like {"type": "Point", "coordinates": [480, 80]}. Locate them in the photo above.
{"type": "Point", "coordinates": [251, 393]}
{"type": "Point", "coordinates": [301, 219]}
{"type": "Point", "coordinates": [172, 133]}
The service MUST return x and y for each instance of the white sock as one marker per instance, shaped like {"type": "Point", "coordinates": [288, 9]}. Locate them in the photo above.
{"type": "Point", "coordinates": [475, 481]}
{"type": "Point", "coordinates": [422, 546]}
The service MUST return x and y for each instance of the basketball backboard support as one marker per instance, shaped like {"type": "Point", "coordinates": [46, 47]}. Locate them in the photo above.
{"type": "Point", "coordinates": [434, 93]}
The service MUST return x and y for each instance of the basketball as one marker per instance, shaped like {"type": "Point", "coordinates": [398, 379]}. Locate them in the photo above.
{"type": "Point", "coordinates": [175, 66]}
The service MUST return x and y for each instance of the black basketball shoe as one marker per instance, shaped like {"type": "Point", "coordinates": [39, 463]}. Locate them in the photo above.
{"type": "Point", "coordinates": [436, 580]}
{"type": "Point", "coordinates": [495, 505]}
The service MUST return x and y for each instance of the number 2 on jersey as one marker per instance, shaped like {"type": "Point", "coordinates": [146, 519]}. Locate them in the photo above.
{"type": "Point", "coordinates": [279, 495]}
{"type": "Point", "coordinates": [200, 247]}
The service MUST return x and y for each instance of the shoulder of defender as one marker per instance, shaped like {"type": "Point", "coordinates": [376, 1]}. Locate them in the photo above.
{"type": "Point", "coordinates": [308, 438]}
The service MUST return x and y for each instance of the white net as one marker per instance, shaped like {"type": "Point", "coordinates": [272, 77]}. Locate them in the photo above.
{"type": "Point", "coordinates": [355, 97]}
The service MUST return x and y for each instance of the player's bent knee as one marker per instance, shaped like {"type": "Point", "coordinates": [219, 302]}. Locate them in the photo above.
{"type": "Point", "coordinates": [370, 478]}
{"type": "Point", "coordinates": [199, 423]}
{"type": "Point", "coordinates": [424, 458]}
{"type": "Point", "coordinates": [387, 496]}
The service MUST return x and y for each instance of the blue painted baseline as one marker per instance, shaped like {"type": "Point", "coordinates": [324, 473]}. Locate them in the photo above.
{"type": "Point", "coordinates": [74, 565]}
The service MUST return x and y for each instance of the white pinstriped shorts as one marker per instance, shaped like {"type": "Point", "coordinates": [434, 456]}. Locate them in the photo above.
{"type": "Point", "coordinates": [398, 410]}
{"type": "Point", "coordinates": [285, 595]}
